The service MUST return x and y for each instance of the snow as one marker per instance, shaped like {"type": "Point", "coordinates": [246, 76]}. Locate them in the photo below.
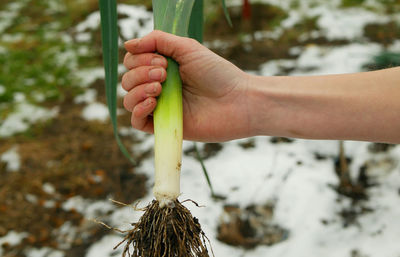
{"type": "Point", "coordinates": [88, 76]}
{"type": "Point", "coordinates": [43, 252]}
{"type": "Point", "coordinates": [88, 96]}
{"type": "Point", "coordinates": [11, 238]}
{"type": "Point", "coordinates": [8, 15]}
{"type": "Point", "coordinates": [88, 208]}
{"type": "Point", "coordinates": [25, 115]}
{"type": "Point", "coordinates": [319, 60]}
{"type": "Point", "coordinates": [90, 23]}
{"type": "Point", "coordinates": [340, 24]}
{"type": "Point", "coordinates": [48, 188]}
{"type": "Point", "coordinates": [95, 111]}
{"type": "Point", "coordinates": [138, 22]}
{"type": "Point", "coordinates": [286, 175]}
{"type": "Point", "coordinates": [102, 248]}
{"type": "Point", "coordinates": [11, 158]}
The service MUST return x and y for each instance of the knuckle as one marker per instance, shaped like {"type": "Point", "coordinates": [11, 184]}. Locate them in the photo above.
{"type": "Point", "coordinates": [134, 122]}
{"type": "Point", "coordinates": [126, 57]}
{"type": "Point", "coordinates": [124, 81]}
{"type": "Point", "coordinates": [126, 103]}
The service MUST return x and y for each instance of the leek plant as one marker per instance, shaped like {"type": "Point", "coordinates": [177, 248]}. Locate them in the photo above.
{"type": "Point", "coordinates": [166, 228]}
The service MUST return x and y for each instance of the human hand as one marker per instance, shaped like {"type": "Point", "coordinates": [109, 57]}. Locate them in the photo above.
{"type": "Point", "coordinates": [214, 90]}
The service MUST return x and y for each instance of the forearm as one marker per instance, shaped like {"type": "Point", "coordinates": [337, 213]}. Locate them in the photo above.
{"type": "Point", "coordinates": [360, 106]}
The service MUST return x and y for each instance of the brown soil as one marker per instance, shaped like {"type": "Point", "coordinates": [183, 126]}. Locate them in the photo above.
{"type": "Point", "coordinates": [74, 156]}
{"type": "Point", "coordinates": [250, 54]}
{"type": "Point", "coordinates": [382, 33]}
{"type": "Point", "coordinates": [249, 227]}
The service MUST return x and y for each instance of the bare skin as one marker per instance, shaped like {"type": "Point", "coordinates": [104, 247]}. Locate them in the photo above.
{"type": "Point", "coordinates": [221, 102]}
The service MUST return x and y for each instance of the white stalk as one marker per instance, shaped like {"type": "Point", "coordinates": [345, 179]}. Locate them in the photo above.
{"type": "Point", "coordinates": [168, 130]}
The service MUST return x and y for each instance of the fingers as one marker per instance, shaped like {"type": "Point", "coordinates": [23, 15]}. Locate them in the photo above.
{"type": "Point", "coordinates": [141, 93]}
{"type": "Point", "coordinates": [147, 59]}
{"type": "Point", "coordinates": [142, 75]}
{"type": "Point", "coordinates": [141, 118]}
{"type": "Point", "coordinates": [163, 43]}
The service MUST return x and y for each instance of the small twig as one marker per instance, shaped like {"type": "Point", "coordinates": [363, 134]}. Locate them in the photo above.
{"type": "Point", "coordinates": [108, 226]}
{"type": "Point", "coordinates": [190, 200]}
{"type": "Point", "coordinates": [124, 204]}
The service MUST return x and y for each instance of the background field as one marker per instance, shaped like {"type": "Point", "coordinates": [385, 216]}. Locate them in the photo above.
{"type": "Point", "coordinates": [60, 165]}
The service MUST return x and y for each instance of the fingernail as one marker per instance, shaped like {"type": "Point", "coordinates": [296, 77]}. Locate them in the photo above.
{"type": "Point", "coordinates": [133, 42]}
{"type": "Point", "coordinates": [147, 102]}
{"type": "Point", "coordinates": [157, 61]}
{"type": "Point", "coordinates": [156, 73]}
{"type": "Point", "coordinates": [151, 88]}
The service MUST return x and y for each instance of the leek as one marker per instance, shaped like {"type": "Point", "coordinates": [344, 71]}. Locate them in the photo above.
{"type": "Point", "coordinates": [168, 125]}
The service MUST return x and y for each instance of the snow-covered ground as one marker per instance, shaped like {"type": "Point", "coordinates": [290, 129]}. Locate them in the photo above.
{"type": "Point", "coordinates": [286, 175]}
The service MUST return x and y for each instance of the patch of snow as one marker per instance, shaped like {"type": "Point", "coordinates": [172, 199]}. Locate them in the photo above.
{"type": "Point", "coordinates": [316, 60]}
{"type": "Point", "coordinates": [19, 97]}
{"type": "Point", "coordinates": [275, 67]}
{"type": "Point", "coordinates": [88, 76]}
{"type": "Point", "coordinates": [38, 96]}
{"type": "Point", "coordinates": [90, 23]}
{"type": "Point", "coordinates": [12, 159]}
{"type": "Point", "coordinates": [88, 208]}
{"type": "Point", "coordinates": [11, 38]}
{"type": "Point", "coordinates": [95, 111]}
{"type": "Point", "coordinates": [43, 252]}
{"type": "Point", "coordinates": [10, 12]}
{"type": "Point", "coordinates": [295, 50]}
{"type": "Point", "coordinates": [83, 37]}
{"type": "Point", "coordinates": [48, 188]}
{"type": "Point", "coordinates": [395, 46]}
{"type": "Point", "coordinates": [25, 115]}
{"type": "Point", "coordinates": [217, 44]}
{"type": "Point", "coordinates": [120, 91]}
{"type": "Point", "coordinates": [31, 198]}
{"type": "Point", "coordinates": [12, 238]}
{"type": "Point", "coordinates": [341, 23]}
{"type": "Point", "coordinates": [102, 247]}
{"type": "Point", "coordinates": [138, 22]}
{"type": "Point", "coordinates": [89, 96]}
{"type": "Point", "coordinates": [66, 234]}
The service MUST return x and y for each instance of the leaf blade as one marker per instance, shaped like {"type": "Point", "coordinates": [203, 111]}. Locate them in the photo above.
{"type": "Point", "coordinates": [109, 37]}
{"type": "Point", "coordinates": [196, 25]}
{"type": "Point", "coordinates": [227, 16]}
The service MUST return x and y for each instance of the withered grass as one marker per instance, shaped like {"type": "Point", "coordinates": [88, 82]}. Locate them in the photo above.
{"type": "Point", "coordinates": [165, 232]}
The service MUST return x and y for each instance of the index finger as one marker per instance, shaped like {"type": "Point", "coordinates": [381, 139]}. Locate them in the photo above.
{"type": "Point", "coordinates": [163, 43]}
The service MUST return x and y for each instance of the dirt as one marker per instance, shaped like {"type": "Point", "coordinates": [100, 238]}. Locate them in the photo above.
{"type": "Point", "coordinates": [384, 34]}
{"type": "Point", "coordinates": [74, 157]}
{"type": "Point", "coordinates": [250, 226]}
{"type": "Point", "coordinates": [248, 52]}
{"type": "Point", "coordinates": [207, 151]}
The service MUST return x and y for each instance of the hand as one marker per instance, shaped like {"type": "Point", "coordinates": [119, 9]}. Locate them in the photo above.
{"type": "Point", "coordinates": [214, 90]}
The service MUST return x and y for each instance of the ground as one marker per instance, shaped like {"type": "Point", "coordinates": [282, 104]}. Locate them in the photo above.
{"type": "Point", "coordinates": [60, 165]}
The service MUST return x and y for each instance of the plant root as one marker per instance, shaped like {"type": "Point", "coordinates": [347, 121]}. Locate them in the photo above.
{"type": "Point", "coordinates": [170, 231]}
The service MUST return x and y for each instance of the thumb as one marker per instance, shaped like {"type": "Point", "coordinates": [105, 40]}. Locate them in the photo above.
{"type": "Point", "coordinates": [162, 43]}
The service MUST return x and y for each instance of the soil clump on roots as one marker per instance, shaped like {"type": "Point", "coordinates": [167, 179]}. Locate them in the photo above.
{"type": "Point", "coordinates": [169, 231]}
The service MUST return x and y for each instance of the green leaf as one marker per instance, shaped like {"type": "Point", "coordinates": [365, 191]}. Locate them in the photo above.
{"type": "Point", "coordinates": [203, 167]}
{"type": "Point", "coordinates": [109, 37]}
{"type": "Point", "coordinates": [172, 16]}
{"type": "Point", "coordinates": [228, 18]}
{"type": "Point", "coordinates": [196, 25]}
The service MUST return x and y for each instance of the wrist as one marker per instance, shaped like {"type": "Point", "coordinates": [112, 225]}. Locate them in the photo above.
{"type": "Point", "coordinates": [264, 109]}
